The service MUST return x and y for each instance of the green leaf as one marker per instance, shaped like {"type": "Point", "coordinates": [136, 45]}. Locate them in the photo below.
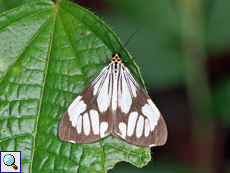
{"type": "Point", "coordinates": [9, 4]}
{"type": "Point", "coordinates": [48, 54]}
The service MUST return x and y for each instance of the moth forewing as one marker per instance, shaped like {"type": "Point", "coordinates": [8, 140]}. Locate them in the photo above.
{"type": "Point", "coordinates": [83, 122]}
{"type": "Point", "coordinates": [137, 119]}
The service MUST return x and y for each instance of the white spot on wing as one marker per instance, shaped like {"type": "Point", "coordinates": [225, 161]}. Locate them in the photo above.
{"type": "Point", "coordinates": [115, 86]}
{"type": "Point", "coordinates": [133, 88]}
{"type": "Point", "coordinates": [94, 121]}
{"type": "Point", "coordinates": [140, 126]}
{"type": "Point", "coordinates": [72, 106]}
{"type": "Point", "coordinates": [124, 96]}
{"type": "Point", "coordinates": [131, 123]}
{"type": "Point", "coordinates": [132, 81]}
{"type": "Point", "coordinates": [152, 145]}
{"type": "Point", "coordinates": [147, 127]}
{"type": "Point", "coordinates": [103, 99]}
{"type": "Point", "coordinates": [99, 76]}
{"type": "Point", "coordinates": [96, 86]}
{"type": "Point", "coordinates": [79, 124]}
{"type": "Point", "coordinates": [86, 124]}
{"type": "Point", "coordinates": [72, 141]}
{"type": "Point", "coordinates": [103, 128]}
{"type": "Point", "coordinates": [122, 128]}
{"type": "Point", "coordinates": [75, 109]}
{"type": "Point", "coordinates": [154, 108]}
{"type": "Point", "coordinates": [152, 113]}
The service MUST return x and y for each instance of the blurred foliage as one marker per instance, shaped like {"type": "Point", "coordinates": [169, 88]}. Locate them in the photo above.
{"type": "Point", "coordinates": [218, 26]}
{"type": "Point", "coordinates": [221, 102]}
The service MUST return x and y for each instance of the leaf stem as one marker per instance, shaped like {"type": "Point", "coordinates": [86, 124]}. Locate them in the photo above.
{"type": "Point", "coordinates": [58, 1]}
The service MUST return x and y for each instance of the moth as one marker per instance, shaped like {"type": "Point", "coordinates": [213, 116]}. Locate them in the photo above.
{"type": "Point", "coordinates": [114, 102]}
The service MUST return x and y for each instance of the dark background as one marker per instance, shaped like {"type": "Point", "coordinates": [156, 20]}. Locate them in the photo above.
{"type": "Point", "coordinates": [183, 51]}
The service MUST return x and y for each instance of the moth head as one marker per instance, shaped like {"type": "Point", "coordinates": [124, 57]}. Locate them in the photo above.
{"type": "Point", "coordinates": [116, 58]}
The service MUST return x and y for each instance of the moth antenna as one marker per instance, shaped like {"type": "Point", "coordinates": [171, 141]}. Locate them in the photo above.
{"type": "Point", "coordinates": [123, 47]}
{"type": "Point", "coordinates": [107, 38]}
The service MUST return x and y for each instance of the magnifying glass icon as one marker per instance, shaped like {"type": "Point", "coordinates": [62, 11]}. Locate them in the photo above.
{"type": "Point", "coordinates": [9, 160]}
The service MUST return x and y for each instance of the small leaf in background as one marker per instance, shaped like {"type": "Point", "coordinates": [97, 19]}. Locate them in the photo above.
{"type": "Point", "coordinates": [48, 54]}
{"type": "Point", "coordinates": [221, 102]}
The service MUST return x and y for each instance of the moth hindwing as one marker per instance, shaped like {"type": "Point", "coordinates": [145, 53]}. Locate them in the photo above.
{"type": "Point", "coordinates": [114, 102]}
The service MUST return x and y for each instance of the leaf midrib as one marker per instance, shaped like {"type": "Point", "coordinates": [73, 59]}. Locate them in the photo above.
{"type": "Point", "coordinates": [43, 87]}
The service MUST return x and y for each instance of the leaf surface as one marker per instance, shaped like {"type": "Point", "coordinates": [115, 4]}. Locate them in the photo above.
{"type": "Point", "coordinates": [48, 54]}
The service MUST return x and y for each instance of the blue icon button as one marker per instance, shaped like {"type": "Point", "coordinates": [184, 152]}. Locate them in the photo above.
{"type": "Point", "coordinates": [9, 160]}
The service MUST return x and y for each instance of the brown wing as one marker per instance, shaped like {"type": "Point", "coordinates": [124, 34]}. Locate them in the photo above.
{"type": "Point", "coordinates": [137, 119]}
{"type": "Point", "coordinates": [88, 118]}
